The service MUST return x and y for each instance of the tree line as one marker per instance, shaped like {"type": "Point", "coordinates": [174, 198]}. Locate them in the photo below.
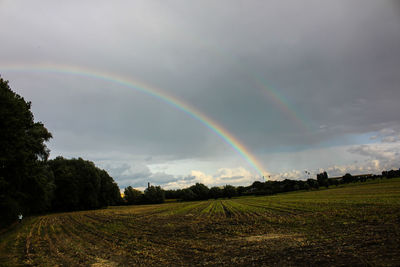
{"type": "Point", "coordinates": [29, 182]}
{"type": "Point", "coordinates": [151, 195]}
{"type": "Point", "coordinates": [202, 192]}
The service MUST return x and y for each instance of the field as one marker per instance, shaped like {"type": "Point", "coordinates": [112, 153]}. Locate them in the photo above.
{"type": "Point", "coordinates": [355, 225]}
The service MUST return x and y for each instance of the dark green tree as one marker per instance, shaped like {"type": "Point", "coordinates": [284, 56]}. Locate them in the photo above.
{"type": "Point", "coordinates": [173, 194]}
{"type": "Point", "coordinates": [334, 182]}
{"type": "Point", "coordinates": [200, 190]}
{"type": "Point", "coordinates": [80, 185]}
{"type": "Point", "coordinates": [313, 183]}
{"type": "Point", "coordinates": [229, 191]}
{"type": "Point", "coordinates": [240, 190]}
{"type": "Point", "coordinates": [322, 179]}
{"type": "Point", "coordinates": [216, 192]}
{"type": "Point", "coordinates": [25, 183]}
{"type": "Point", "coordinates": [132, 196]}
{"type": "Point", "coordinates": [188, 195]}
{"type": "Point", "coordinates": [154, 195]}
{"type": "Point", "coordinates": [109, 190]}
{"type": "Point", "coordinates": [257, 185]}
{"type": "Point", "coordinates": [347, 178]}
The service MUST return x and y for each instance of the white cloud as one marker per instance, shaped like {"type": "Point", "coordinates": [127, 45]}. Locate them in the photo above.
{"type": "Point", "coordinates": [385, 152]}
{"type": "Point", "coordinates": [293, 175]}
{"type": "Point", "coordinates": [223, 176]}
{"type": "Point", "coordinates": [367, 158]}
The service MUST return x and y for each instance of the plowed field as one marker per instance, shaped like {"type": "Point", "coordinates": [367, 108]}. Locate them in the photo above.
{"type": "Point", "coordinates": [353, 225]}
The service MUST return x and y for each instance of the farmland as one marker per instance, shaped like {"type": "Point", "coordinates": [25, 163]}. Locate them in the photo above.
{"type": "Point", "coordinates": [357, 224]}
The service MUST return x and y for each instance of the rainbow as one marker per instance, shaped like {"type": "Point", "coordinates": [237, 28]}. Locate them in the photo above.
{"type": "Point", "coordinates": [282, 104]}
{"type": "Point", "coordinates": [257, 81]}
{"type": "Point", "coordinates": [151, 91]}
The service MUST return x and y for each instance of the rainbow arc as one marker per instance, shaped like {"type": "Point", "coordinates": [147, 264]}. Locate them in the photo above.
{"type": "Point", "coordinates": [169, 99]}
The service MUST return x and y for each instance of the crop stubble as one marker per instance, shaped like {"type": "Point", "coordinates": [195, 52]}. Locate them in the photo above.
{"type": "Point", "coordinates": [352, 225]}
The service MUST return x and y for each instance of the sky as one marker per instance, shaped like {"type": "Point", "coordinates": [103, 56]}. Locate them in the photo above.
{"type": "Point", "coordinates": [215, 92]}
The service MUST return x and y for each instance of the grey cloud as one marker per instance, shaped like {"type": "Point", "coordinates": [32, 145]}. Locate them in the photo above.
{"type": "Point", "coordinates": [278, 75]}
{"type": "Point", "coordinates": [382, 156]}
{"type": "Point", "coordinates": [138, 175]}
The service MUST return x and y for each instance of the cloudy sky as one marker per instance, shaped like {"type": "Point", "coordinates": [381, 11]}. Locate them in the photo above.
{"type": "Point", "coordinates": [135, 85]}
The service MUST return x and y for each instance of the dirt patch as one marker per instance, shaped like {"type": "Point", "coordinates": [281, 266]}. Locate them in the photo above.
{"type": "Point", "coordinates": [102, 263]}
{"type": "Point", "coordinates": [259, 238]}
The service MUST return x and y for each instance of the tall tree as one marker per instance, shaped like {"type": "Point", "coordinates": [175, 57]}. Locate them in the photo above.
{"type": "Point", "coordinates": [200, 190]}
{"type": "Point", "coordinates": [132, 196]}
{"type": "Point", "coordinates": [216, 192]}
{"type": "Point", "coordinates": [25, 182]}
{"type": "Point", "coordinates": [229, 191]}
{"type": "Point", "coordinates": [154, 195]}
{"type": "Point", "coordinates": [81, 185]}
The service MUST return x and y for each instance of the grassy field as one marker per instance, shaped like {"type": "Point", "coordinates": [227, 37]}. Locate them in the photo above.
{"type": "Point", "coordinates": [355, 225]}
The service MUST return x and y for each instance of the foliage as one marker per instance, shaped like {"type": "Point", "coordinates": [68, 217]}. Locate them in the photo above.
{"type": "Point", "coordinates": [133, 196]}
{"type": "Point", "coordinates": [229, 191]}
{"type": "Point", "coordinates": [25, 184]}
{"type": "Point", "coordinates": [173, 194]}
{"type": "Point", "coordinates": [391, 173]}
{"type": "Point", "coordinates": [109, 190]}
{"type": "Point", "coordinates": [347, 178]}
{"type": "Point", "coordinates": [312, 183]}
{"type": "Point", "coordinates": [322, 179]}
{"type": "Point", "coordinates": [154, 195]}
{"type": "Point", "coordinates": [200, 190]}
{"type": "Point", "coordinates": [187, 194]}
{"type": "Point", "coordinates": [81, 185]}
{"type": "Point", "coordinates": [216, 192]}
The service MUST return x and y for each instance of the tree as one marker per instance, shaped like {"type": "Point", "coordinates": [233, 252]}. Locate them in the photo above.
{"type": "Point", "coordinates": [25, 183]}
{"type": "Point", "coordinates": [154, 195]}
{"type": "Point", "coordinates": [109, 190]}
{"type": "Point", "coordinates": [322, 179]}
{"type": "Point", "coordinates": [215, 192]}
{"type": "Point", "coordinates": [347, 178]}
{"type": "Point", "coordinates": [80, 185]}
{"type": "Point", "coordinates": [132, 196]}
{"type": "Point", "coordinates": [188, 195]}
{"type": "Point", "coordinates": [313, 183]}
{"type": "Point", "coordinates": [335, 182]}
{"type": "Point", "coordinates": [240, 190]}
{"type": "Point", "coordinates": [229, 191]}
{"type": "Point", "coordinates": [200, 190]}
{"type": "Point", "coordinates": [257, 185]}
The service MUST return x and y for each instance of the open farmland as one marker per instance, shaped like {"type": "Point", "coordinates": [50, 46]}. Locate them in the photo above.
{"type": "Point", "coordinates": [358, 224]}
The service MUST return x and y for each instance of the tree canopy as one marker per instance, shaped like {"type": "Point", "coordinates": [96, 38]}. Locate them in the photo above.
{"type": "Point", "coordinates": [154, 195]}
{"type": "Point", "coordinates": [25, 183]}
{"type": "Point", "coordinates": [132, 196]}
{"type": "Point", "coordinates": [79, 185]}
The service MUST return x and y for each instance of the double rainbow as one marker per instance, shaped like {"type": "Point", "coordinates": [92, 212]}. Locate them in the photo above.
{"type": "Point", "coordinates": [146, 89]}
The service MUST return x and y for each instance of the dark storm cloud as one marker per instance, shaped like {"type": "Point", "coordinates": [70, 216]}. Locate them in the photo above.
{"type": "Point", "coordinates": [334, 64]}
